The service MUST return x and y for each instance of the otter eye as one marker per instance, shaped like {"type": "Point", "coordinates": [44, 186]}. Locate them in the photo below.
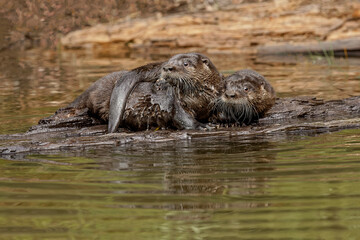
{"type": "Point", "coordinates": [246, 89]}
{"type": "Point", "coordinates": [186, 64]}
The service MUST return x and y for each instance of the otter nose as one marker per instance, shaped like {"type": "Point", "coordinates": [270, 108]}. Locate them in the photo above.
{"type": "Point", "coordinates": [230, 94]}
{"type": "Point", "coordinates": [168, 68]}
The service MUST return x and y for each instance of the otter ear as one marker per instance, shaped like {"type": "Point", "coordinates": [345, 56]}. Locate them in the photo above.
{"type": "Point", "coordinates": [205, 61]}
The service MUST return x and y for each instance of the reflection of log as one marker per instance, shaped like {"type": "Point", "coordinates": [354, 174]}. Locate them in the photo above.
{"type": "Point", "coordinates": [345, 47]}
{"type": "Point", "coordinates": [302, 115]}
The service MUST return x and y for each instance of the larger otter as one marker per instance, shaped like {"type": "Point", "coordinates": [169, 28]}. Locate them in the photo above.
{"type": "Point", "coordinates": [146, 107]}
{"type": "Point", "coordinates": [245, 97]}
{"type": "Point", "coordinates": [196, 81]}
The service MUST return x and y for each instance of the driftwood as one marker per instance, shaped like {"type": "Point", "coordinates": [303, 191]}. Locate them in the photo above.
{"type": "Point", "coordinates": [349, 47]}
{"type": "Point", "coordinates": [301, 115]}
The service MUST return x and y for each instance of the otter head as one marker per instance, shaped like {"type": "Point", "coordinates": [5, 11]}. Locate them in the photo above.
{"type": "Point", "coordinates": [189, 72]}
{"type": "Point", "coordinates": [246, 96]}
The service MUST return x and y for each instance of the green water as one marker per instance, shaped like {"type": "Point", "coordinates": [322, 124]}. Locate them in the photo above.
{"type": "Point", "coordinates": [298, 188]}
{"type": "Point", "coordinates": [265, 187]}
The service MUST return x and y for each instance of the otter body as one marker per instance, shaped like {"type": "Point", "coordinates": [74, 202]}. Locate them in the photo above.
{"type": "Point", "coordinates": [97, 97]}
{"type": "Point", "coordinates": [148, 106]}
{"type": "Point", "coordinates": [124, 86]}
{"type": "Point", "coordinates": [245, 97]}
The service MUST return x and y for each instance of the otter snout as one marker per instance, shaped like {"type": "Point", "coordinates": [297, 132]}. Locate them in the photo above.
{"type": "Point", "coordinates": [230, 94]}
{"type": "Point", "coordinates": [168, 68]}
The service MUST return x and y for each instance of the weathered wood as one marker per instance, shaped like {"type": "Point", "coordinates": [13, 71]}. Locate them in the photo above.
{"type": "Point", "coordinates": [349, 47]}
{"type": "Point", "coordinates": [240, 28]}
{"type": "Point", "coordinates": [301, 115]}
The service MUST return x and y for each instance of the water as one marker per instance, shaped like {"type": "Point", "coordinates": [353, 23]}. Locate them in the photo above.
{"type": "Point", "coordinates": [297, 188]}
{"type": "Point", "coordinates": [273, 187]}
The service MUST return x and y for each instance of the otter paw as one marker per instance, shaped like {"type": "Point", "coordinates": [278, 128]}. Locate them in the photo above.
{"type": "Point", "coordinates": [160, 84]}
{"type": "Point", "coordinates": [206, 127]}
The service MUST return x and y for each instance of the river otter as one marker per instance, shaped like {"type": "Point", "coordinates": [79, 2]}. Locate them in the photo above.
{"type": "Point", "coordinates": [196, 82]}
{"type": "Point", "coordinates": [245, 97]}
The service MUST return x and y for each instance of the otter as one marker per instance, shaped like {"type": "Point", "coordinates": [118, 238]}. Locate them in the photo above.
{"type": "Point", "coordinates": [151, 103]}
{"type": "Point", "coordinates": [194, 78]}
{"type": "Point", "coordinates": [244, 98]}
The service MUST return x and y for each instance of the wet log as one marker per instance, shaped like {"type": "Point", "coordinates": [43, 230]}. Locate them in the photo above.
{"type": "Point", "coordinates": [79, 131]}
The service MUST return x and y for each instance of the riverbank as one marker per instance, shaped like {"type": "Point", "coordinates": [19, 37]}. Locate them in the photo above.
{"type": "Point", "coordinates": [247, 28]}
{"type": "Point", "coordinates": [120, 28]}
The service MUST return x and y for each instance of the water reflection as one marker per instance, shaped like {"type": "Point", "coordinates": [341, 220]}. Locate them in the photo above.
{"type": "Point", "coordinates": [205, 169]}
{"type": "Point", "coordinates": [303, 187]}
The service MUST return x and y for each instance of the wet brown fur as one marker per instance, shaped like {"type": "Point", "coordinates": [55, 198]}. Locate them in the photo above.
{"type": "Point", "coordinates": [245, 97]}
{"type": "Point", "coordinates": [196, 81]}
{"type": "Point", "coordinates": [197, 87]}
{"type": "Point", "coordinates": [148, 106]}
{"type": "Point", "coordinates": [97, 97]}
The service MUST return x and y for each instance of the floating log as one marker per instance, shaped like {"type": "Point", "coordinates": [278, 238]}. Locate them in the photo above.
{"type": "Point", "coordinates": [79, 131]}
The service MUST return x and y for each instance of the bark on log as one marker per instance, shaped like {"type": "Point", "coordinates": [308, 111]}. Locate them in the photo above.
{"type": "Point", "coordinates": [301, 115]}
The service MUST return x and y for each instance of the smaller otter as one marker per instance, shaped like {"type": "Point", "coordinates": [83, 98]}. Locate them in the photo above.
{"type": "Point", "coordinates": [246, 96]}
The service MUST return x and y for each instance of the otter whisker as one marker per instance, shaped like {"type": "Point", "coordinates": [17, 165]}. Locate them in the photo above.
{"type": "Point", "coordinates": [255, 111]}
{"type": "Point", "coordinates": [242, 110]}
{"type": "Point", "coordinates": [249, 113]}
